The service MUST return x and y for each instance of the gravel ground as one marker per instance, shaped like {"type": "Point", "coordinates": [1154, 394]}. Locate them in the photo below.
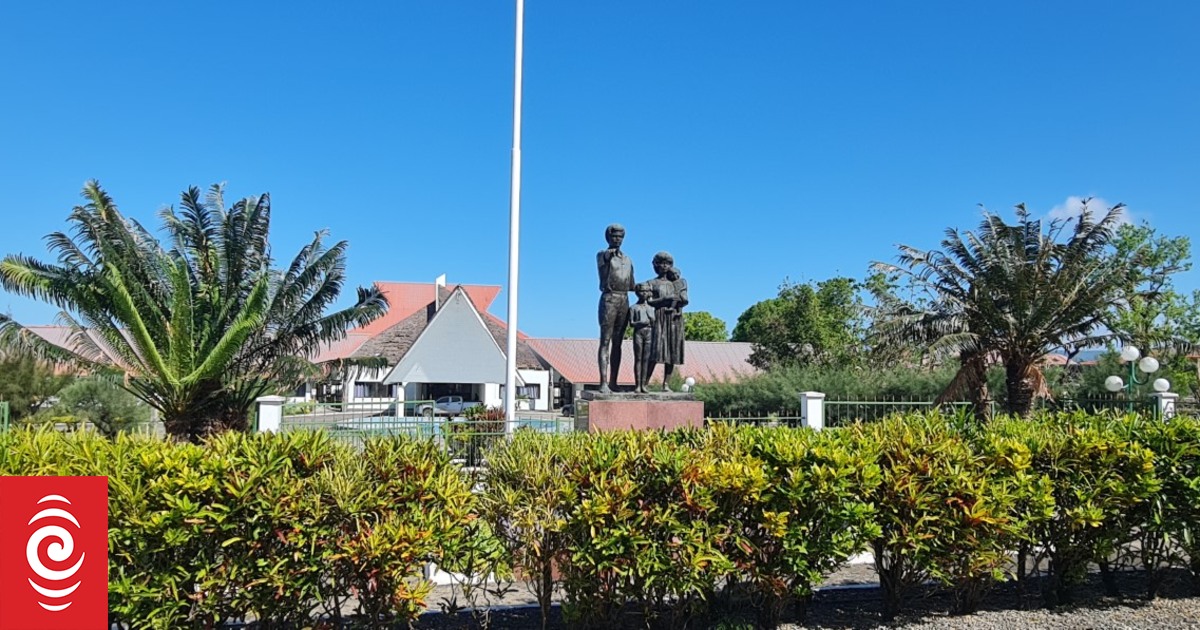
{"type": "Point", "coordinates": [850, 600]}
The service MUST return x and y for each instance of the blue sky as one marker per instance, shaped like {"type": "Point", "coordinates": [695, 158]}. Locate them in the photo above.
{"type": "Point", "coordinates": [755, 141]}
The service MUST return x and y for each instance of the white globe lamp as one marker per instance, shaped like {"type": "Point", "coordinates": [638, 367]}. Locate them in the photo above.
{"type": "Point", "coordinates": [1130, 353]}
{"type": "Point", "coordinates": [1161, 385]}
{"type": "Point", "coordinates": [1149, 365]}
{"type": "Point", "coordinates": [1114, 384]}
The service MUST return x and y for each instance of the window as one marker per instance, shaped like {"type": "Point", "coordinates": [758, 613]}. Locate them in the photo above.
{"type": "Point", "coordinates": [373, 390]}
{"type": "Point", "coordinates": [532, 392]}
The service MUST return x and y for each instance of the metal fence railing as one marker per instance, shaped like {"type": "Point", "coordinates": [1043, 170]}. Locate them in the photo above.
{"type": "Point", "coordinates": [466, 439]}
{"type": "Point", "coordinates": [844, 412]}
{"type": "Point", "coordinates": [1145, 406]}
{"type": "Point", "coordinates": [783, 418]}
{"type": "Point", "coordinates": [1183, 406]}
{"type": "Point", "coordinates": [3, 415]}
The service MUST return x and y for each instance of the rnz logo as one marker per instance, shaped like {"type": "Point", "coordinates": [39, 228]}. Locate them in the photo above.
{"type": "Point", "coordinates": [60, 551]}
{"type": "Point", "coordinates": [54, 552]}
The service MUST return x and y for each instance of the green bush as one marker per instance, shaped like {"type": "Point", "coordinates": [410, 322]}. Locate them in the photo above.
{"type": "Point", "coordinates": [945, 512]}
{"type": "Point", "coordinates": [299, 408]}
{"type": "Point", "coordinates": [1167, 532]}
{"type": "Point", "coordinates": [278, 527]}
{"type": "Point", "coordinates": [644, 532]}
{"type": "Point", "coordinates": [777, 390]}
{"type": "Point", "coordinates": [291, 528]}
{"type": "Point", "coordinates": [528, 502]}
{"type": "Point", "coordinates": [1097, 477]}
{"type": "Point", "coordinates": [802, 508]}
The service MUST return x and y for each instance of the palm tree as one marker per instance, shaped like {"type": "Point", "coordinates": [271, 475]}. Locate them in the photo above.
{"type": "Point", "coordinates": [201, 329]}
{"type": "Point", "coordinates": [1008, 294]}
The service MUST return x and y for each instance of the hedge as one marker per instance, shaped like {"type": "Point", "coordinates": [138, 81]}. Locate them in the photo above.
{"type": "Point", "coordinates": [280, 528]}
{"type": "Point", "coordinates": [670, 527]}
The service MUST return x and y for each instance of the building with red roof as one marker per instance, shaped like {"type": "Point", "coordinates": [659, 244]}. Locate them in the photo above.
{"type": "Point", "coordinates": [429, 354]}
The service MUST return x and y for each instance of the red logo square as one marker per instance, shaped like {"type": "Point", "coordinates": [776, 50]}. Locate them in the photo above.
{"type": "Point", "coordinates": [53, 553]}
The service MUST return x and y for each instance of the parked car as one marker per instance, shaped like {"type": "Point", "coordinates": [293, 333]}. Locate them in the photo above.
{"type": "Point", "coordinates": [447, 406]}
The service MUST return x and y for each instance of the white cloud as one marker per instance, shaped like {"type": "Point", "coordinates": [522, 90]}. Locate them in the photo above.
{"type": "Point", "coordinates": [1073, 207]}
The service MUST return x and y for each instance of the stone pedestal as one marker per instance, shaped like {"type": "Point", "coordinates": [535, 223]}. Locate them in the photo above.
{"type": "Point", "coordinates": [621, 411]}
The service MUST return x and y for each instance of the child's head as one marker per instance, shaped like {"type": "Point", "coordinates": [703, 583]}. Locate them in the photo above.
{"type": "Point", "coordinates": [643, 291]}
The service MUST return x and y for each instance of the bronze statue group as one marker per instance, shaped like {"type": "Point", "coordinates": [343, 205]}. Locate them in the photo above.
{"type": "Point", "coordinates": [657, 317]}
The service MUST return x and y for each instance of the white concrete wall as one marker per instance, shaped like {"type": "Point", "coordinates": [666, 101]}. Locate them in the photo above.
{"type": "Point", "coordinates": [542, 378]}
{"type": "Point", "coordinates": [491, 395]}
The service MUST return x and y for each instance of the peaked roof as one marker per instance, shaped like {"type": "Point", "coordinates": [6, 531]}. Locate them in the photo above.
{"type": "Point", "coordinates": [340, 349]}
{"type": "Point", "coordinates": [395, 342]}
{"type": "Point", "coordinates": [406, 298]}
{"type": "Point", "coordinates": [575, 360]}
{"type": "Point", "coordinates": [456, 345]}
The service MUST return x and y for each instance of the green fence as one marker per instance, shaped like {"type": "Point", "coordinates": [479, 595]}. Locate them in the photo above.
{"type": "Point", "coordinates": [467, 439]}
{"type": "Point", "coordinates": [783, 418]}
{"type": "Point", "coordinates": [840, 412]}
{"type": "Point", "coordinates": [843, 412]}
{"type": "Point", "coordinates": [1145, 406]}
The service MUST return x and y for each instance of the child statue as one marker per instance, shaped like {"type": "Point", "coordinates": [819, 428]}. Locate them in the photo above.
{"type": "Point", "coordinates": [641, 317]}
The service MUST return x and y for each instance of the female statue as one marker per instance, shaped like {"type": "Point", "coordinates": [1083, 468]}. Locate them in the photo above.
{"type": "Point", "coordinates": [668, 297]}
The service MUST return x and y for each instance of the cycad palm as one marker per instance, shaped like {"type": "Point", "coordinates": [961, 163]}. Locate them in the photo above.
{"type": "Point", "coordinates": [200, 329]}
{"type": "Point", "coordinates": [1010, 293]}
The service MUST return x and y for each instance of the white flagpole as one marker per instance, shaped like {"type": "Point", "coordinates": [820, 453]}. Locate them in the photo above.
{"type": "Point", "coordinates": [514, 233]}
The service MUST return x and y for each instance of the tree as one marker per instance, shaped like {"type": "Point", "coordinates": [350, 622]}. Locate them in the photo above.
{"type": "Point", "coordinates": [805, 324]}
{"type": "Point", "coordinates": [698, 326]}
{"type": "Point", "coordinates": [704, 326]}
{"type": "Point", "coordinates": [1011, 293]}
{"type": "Point", "coordinates": [103, 403]}
{"type": "Point", "coordinates": [201, 329]}
{"type": "Point", "coordinates": [26, 383]}
{"type": "Point", "coordinates": [1155, 317]}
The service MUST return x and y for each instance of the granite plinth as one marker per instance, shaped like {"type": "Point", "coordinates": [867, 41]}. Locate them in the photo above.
{"type": "Point", "coordinates": [627, 410]}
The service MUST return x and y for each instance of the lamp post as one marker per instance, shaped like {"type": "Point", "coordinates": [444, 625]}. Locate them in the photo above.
{"type": "Point", "coordinates": [1148, 365]}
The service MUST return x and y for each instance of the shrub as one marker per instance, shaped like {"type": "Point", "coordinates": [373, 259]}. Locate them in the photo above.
{"type": "Point", "coordinates": [801, 508]}
{"type": "Point", "coordinates": [944, 511]}
{"type": "Point", "coordinates": [643, 531]}
{"type": "Point", "coordinates": [274, 526]}
{"type": "Point", "coordinates": [1167, 526]}
{"type": "Point", "coordinates": [777, 390]}
{"type": "Point", "coordinates": [299, 408]}
{"type": "Point", "coordinates": [412, 508]}
{"type": "Point", "coordinates": [528, 501]}
{"type": "Point", "coordinates": [469, 438]}
{"type": "Point", "coordinates": [1095, 476]}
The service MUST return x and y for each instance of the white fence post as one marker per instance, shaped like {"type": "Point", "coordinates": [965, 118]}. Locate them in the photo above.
{"type": "Point", "coordinates": [270, 413]}
{"type": "Point", "coordinates": [812, 410]}
{"type": "Point", "coordinates": [1165, 402]}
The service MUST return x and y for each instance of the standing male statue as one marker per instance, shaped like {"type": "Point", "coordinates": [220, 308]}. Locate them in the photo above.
{"type": "Point", "coordinates": [616, 281]}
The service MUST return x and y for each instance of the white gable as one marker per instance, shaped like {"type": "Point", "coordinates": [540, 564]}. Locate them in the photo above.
{"type": "Point", "coordinates": [455, 347]}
